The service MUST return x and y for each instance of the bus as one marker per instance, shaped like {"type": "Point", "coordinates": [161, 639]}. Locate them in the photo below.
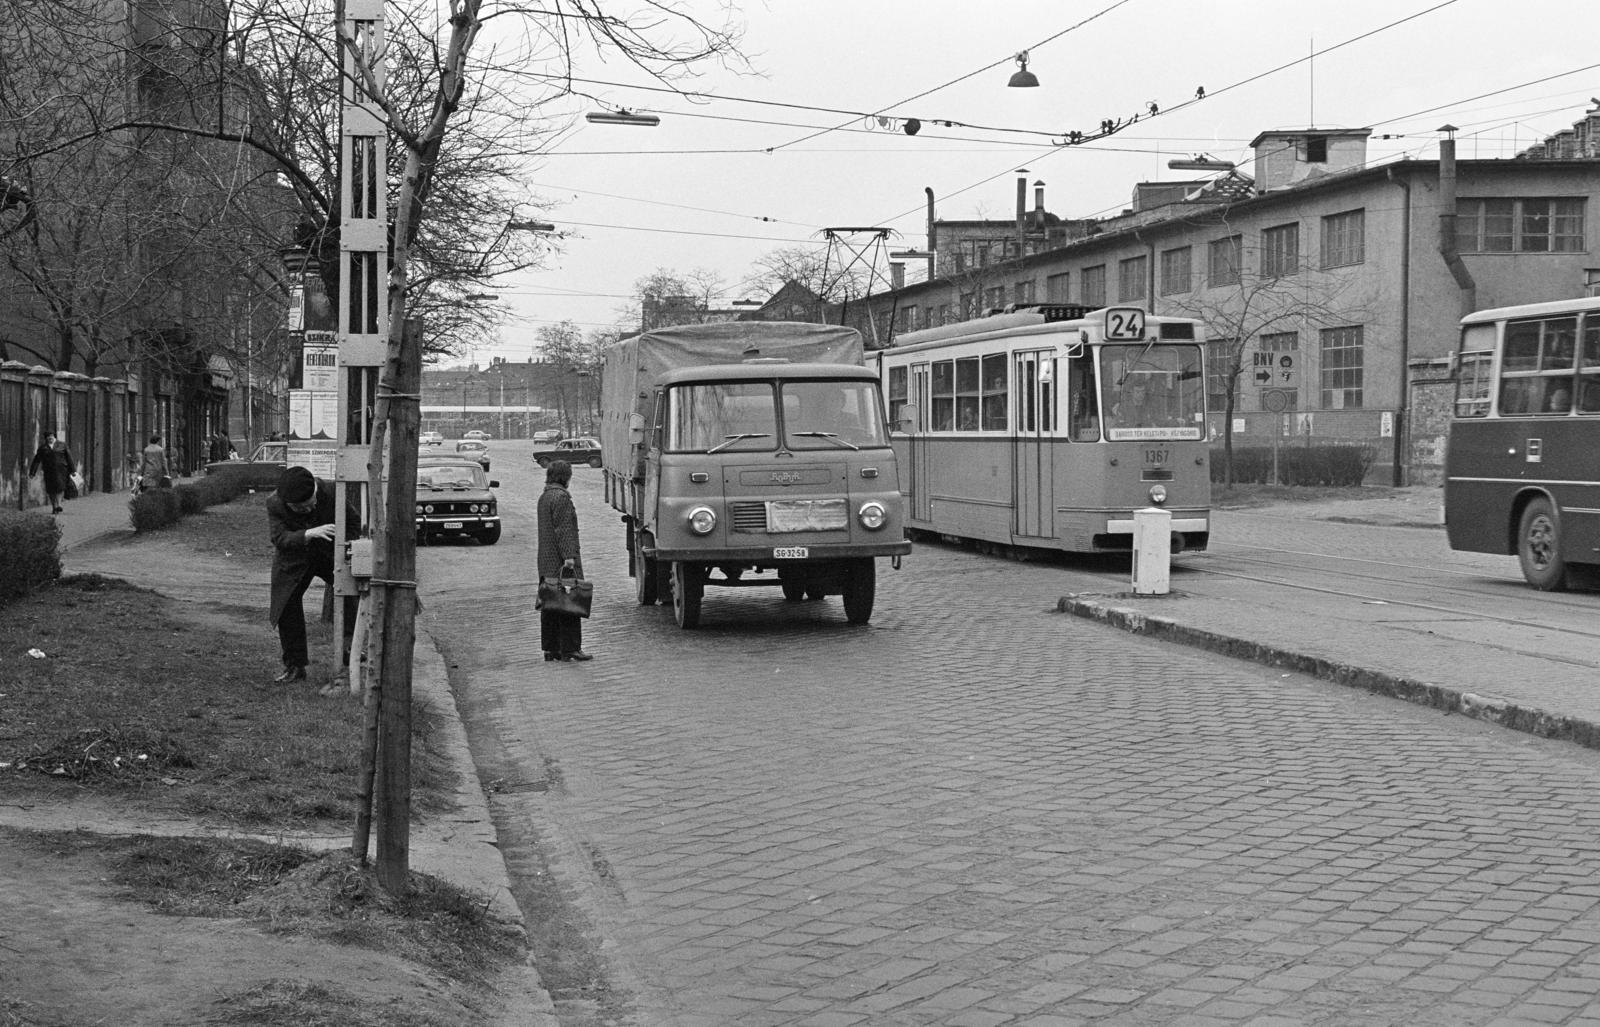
{"type": "Point", "coordinates": [1522, 462]}
{"type": "Point", "coordinates": [1046, 427]}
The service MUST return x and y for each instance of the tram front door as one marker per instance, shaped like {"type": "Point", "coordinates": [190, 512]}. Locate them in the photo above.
{"type": "Point", "coordinates": [1032, 462]}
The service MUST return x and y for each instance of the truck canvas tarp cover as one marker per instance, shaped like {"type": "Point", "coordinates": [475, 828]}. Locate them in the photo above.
{"type": "Point", "coordinates": [632, 366]}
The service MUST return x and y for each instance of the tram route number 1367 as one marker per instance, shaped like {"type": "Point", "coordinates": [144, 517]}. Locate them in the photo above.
{"type": "Point", "coordinates": [1125, 324]}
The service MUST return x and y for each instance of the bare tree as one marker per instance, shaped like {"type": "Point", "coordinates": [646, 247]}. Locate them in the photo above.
{"type": "Point", "coordinates": [1238, 315]}
{"type": "Point", "coordinates": [809, 268]}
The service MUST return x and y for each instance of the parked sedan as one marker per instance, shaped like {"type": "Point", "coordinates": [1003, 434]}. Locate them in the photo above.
{"type": "Point", "coordinates": [472, 449]}
{"type": "Point", "coordinates": [477, 436]}
{"type": "Point", "coordinates": [585, 449]}
{"type": "Point", "coordinates": [431, 438]}
{"type": "Point", "coordinates": [456, 498]}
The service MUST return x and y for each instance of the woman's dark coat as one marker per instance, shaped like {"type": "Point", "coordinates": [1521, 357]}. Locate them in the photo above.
{"type": "Point", "coordinates": [57, 466]}
{"type": "Point", "coordinates": [558, 532]}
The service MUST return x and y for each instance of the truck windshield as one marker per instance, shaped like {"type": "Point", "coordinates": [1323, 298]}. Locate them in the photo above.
{"type": "Point", "coordinates": [739, 416]}
{"type": "Point", "coordinates": [832, 415]}
{"type": "Point", "coordinates": [1152, 392]}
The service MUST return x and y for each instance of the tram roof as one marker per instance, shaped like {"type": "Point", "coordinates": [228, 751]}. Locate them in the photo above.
{"type": "Point", "coordinates": [1584, 304]}
{"type": "Point", "coordinates": [1017, 324]}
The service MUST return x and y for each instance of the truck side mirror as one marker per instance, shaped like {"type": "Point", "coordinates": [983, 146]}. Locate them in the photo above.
{"type": "Point", "coordinates": [635, 429]}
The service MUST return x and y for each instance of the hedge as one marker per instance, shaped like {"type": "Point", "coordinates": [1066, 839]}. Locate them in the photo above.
{"type": "Point", "coordinates": [1297, 465]}
{"type": "Point", "coordinates": [30, 549]}
{"type": "Point", "coordinates": [157, 508]}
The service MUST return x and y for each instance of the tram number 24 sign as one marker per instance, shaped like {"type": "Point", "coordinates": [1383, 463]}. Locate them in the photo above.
{"type": "Point", "coordinates": [1124, 324]}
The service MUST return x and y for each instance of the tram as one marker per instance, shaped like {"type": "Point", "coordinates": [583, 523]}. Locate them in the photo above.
{"type": "Point", "coordinates": [1046, 427]}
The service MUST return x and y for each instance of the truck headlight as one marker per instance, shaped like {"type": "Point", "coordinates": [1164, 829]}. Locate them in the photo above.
{"type": "Point", "coordinates": [1158, 494]}
{"type": "Point", "coordinates": [872, 515]}
{"type": "Point", "coordinates": [702, 519]}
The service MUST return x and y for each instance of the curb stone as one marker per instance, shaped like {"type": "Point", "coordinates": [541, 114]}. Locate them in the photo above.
{"type": "Point", "coordinates": [1491, 709]}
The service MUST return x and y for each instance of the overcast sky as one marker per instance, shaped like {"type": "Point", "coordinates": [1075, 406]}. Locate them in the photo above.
{"type": "Point", "coordinates": [723, 180]}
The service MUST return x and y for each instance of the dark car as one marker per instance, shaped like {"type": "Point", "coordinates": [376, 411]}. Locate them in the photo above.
{"type": "Point", "coordinates": [585, 449]}
{"type": "Point", "coordinates": [472, 449]}
{"type": "Point", "coordinates": [455, 498]}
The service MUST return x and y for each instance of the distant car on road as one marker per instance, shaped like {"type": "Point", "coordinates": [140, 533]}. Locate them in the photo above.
{"type": "Point", "coordinates": [477, 436]}
{"type": "Point", "coordinates": [455, 497]}
{"type": "Point", "coordinates": [547, 436]}
{"type": "Point", "coordinates": [585, 449]}
{"type": "Point", "coordinates": [431, 438]}
{"type": "Point", "coordinates": [473, 449]}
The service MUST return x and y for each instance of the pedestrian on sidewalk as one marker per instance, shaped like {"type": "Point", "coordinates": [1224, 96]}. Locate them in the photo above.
{"type": "Point", "coordinates": [560, 634]}
{"type": "Point", "coordinates": [300, 520]}
{"type": "Point", "coordinates": [154, 471]}
{"type": "Point", "coordinates": [54, 462]}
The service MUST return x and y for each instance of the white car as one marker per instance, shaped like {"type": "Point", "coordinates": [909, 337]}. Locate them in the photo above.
{"type": "Point", "coordinates": [477, 436]}
{"type": "Point", "coordinates": [431, 438]}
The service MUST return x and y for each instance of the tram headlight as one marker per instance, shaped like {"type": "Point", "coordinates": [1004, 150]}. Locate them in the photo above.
{"type": "Point", "coordinates": [1158, 494]}
{"type": "Point", "coordinates": [872, 515]}
{"type": "Point", "coordinates": [702, 519]}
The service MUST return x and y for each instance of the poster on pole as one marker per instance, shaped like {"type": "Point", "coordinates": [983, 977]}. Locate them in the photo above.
{"type": "Point", "coordinates": [315, 455]}
{"type": "Point", "coordinates": [313, 414]}
{"type": "Point", "coordinates": [320, 361]}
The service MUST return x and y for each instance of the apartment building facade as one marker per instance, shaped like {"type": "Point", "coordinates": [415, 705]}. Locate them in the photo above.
{"type": "Point", "coordinates": [1332, 289]}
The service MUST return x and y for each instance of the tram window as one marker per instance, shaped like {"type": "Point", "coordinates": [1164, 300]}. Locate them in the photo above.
{"type": "Point", "coordinates": [1047, 398]}
{"type": "Point", "coordinates": [967, 392]}
{"type": "Point", "coordinates": [899, 400]}
{"type": "Point", "coordinates": [994, 392]}
{"type": "Point", "coordinates": [1083, 412]}
{"type": "Point", "coordinates": [944, 395]}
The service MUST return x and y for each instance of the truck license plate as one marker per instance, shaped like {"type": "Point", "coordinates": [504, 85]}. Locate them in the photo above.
{"type": "Point", "coordinates": [790, 553]}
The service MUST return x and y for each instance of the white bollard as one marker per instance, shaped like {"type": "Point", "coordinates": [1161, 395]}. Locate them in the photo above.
{"type": "Point", "coordinates": [1152, 551]}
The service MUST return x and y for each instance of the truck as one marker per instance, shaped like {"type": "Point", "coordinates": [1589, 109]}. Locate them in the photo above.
{"type": "Point", "coordinates": [745, 454]}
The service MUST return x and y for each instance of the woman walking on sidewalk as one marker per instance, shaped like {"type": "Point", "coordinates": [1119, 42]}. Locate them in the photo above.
{"type": "Point", "coordinates": [53, 459]}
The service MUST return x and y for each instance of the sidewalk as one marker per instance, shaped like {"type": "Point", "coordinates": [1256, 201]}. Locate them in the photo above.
{"type": "Point", "coordinates": [1527, 665]}
{"type": "Point", "coordinates": [461, 847]}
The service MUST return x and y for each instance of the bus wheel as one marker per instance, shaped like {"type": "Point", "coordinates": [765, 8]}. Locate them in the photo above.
{"type": "Point", "coordinates": [645, 573]}
{"type": "Point", "coordinates": [1539, 547]}
{"type": "Point", "coordinates": [860, 587]}
{"type": "Point", "coordinates": [688, 588]}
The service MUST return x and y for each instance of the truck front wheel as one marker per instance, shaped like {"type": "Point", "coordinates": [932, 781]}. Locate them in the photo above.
{"type": "Point", "coordinates": [646, 573]}
{"type": "Point", "coordinates": [860, 588]}
{"type": "Point", "coordinates": [688, 588]}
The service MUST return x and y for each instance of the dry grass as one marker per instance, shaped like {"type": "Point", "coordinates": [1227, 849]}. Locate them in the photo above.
{"type": "Point", "coordinates": [143, 697]}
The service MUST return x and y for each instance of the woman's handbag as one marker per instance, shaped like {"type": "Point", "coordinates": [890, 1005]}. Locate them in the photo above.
{"type": "Point", "coordinates": [567, 594]}
{"type": "Point", "coordinates": [74, 485]}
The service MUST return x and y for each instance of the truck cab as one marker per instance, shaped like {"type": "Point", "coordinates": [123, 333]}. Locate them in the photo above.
{"type": "Point", "coordinates": [762, 472]}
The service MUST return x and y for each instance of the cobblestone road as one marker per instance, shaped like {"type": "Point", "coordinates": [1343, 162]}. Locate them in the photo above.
{"type": "Point", "coordinates": [978, 812]}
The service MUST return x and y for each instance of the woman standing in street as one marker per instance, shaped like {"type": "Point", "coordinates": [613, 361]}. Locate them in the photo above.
{"type": "Point", "coordinates": [560, 634]}
{"type": "Point", "coordinates": [53, 459]}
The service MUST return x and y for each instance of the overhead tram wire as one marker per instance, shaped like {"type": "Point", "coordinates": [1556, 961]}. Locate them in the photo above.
{"type": "Point", "coordinates": [961, 78]}
{"type": "Point", "coordinates": [1207, 95]}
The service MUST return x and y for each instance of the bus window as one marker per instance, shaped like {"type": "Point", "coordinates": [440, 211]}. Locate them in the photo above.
{"type": "Point", "coordinates": [1472, 384]}
{"type": "Point", "coordinates": [1589, 394]}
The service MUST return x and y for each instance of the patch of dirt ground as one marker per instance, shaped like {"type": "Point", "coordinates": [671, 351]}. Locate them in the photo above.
{"type": "Point", "coordinates": [80, 946]}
